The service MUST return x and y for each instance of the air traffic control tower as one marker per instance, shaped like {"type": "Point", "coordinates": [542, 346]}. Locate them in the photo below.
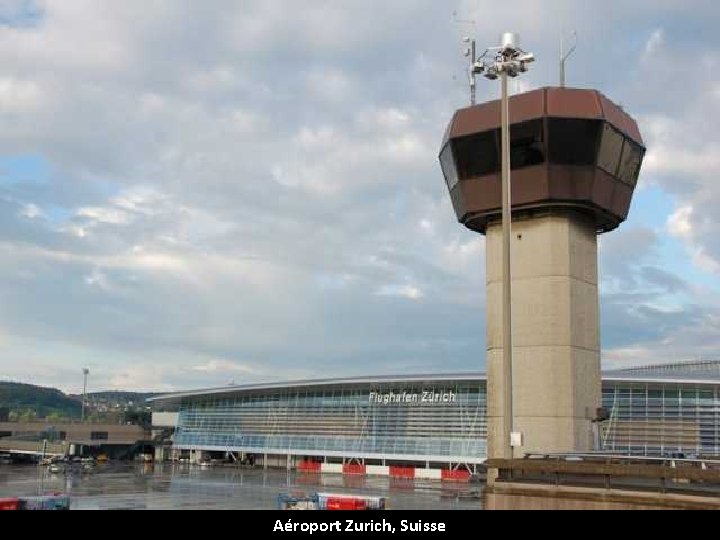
{"type": "Point", "coordinates": [575, 160]}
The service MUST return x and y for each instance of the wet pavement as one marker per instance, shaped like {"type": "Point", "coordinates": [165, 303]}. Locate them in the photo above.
{"type": "Point", "coordinates": [184, 487]}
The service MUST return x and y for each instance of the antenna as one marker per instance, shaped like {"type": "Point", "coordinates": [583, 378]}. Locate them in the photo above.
{"type": "Point", "coordinates": [472, 22]}
{"type": "Point", "coordinates": [471, 53]}
{"type": "Point", "coordinates": [565, 55]}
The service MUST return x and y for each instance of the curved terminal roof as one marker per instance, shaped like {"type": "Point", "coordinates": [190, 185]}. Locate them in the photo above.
{"type": "Point", "coordinates": [703, 372]}
{"type": "Point", "coordinates": [699, 372]}
{"type": "Point", "coordinates": [319, 383]}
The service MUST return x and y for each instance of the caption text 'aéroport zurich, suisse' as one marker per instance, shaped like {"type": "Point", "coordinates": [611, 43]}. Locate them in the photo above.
{"type": "Point", "coordinates": [352, 525]}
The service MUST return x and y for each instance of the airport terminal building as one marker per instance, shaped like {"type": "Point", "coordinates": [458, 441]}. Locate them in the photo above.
{"type": "Point", "coordinates": [432, 422]}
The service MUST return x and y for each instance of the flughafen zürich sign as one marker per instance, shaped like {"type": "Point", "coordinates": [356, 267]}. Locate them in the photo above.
{"type": "Point", "coordinates": [412, 398]}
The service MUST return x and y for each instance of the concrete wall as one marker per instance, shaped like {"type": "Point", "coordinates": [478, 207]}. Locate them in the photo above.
{"type": "Point", "coordinates": [79, 433]}
{"type": "Point", "coordinates": [165, 419]}
{"type": "Point", "coordinates": [556, 345]}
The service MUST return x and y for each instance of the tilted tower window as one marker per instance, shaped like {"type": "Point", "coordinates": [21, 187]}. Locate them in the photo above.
{"type": "Point", "coordinates": [527, 147]}
{"type": "Point", "coordinates": [573, 141]}
{"type": "Point", "coordinates": [630, 162]}
{"type": "Point", "coordinates": [477, 155]}
{"type": "Point", "coordinates": [447, 162]}
{"type": "Point", "coordinates": [610, 150]}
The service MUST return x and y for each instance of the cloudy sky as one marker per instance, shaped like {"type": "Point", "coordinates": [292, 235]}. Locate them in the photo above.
{"type": "Point", "coordinates": [193, 193]}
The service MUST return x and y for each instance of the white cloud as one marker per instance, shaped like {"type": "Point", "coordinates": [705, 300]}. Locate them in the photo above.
{"type": "Point", "coordinates": [141, 377]}
{"type": "Point", "coordinates": [19, 96]}
{"type": "Point", "coordinates": [465, 256]}
{"type": "Point", "coordinates": [223, 366]}
{"type": "Point", "coordinates": [97, 279]}
{"type": "Point", "coordinates": [234, 187]}
{"type": "Point", "coordinates": [680, 223]}
{"type": "Point", "coordinates": [31, 211]}
{"type": "Point", "coordinates": [329, 85]}
{"type": "Point", "coordinates": [140, 200]}
{"type": "Point", "coordinates": [632, 357]}
{"type": "Point", "coordinates": [706, 262]}
{"type": "Point", "coordinates": [409, 292]}
{"type": "Point", "coordinates": [112, 216]}
{"type": "Point", "coordinates": [654, 43]}
{"type": "Point", "coordinates": [385, 119]}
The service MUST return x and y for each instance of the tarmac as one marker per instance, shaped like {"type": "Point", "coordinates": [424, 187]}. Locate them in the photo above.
{"type": "Point", "coordinates": [130, 486]}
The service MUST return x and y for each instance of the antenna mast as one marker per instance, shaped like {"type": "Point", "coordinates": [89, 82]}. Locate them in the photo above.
{"type": "Point", "coordinates": [565, 55]}
{"type": "Point", "coordinates": [471, 53]}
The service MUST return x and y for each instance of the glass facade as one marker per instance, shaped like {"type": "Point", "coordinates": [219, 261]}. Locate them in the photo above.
{"type": "Point", "coordinates": [658, 419]}
{"type": "Point", "coordinates": [443, 420]}
{"type": "Point", "coordinates": [440, 421]}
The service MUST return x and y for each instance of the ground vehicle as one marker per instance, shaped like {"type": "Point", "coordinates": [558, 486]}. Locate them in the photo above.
{"type": "Point", "coordinates": [48, 502]}
{"type": "Point", "coordinates": [289, 501]}
{"type": "Point", "coordinates": [330, 501]}
{"type": "Point", "coordinates": [9, 504]}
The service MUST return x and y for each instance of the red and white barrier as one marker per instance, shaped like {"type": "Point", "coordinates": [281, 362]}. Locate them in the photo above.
{"type": "Point", "coordinates": [461, 475]}
{"type": "Point", "coordinates": [377, 470]}
{"type": "Point", "coordinates": [393, 471]}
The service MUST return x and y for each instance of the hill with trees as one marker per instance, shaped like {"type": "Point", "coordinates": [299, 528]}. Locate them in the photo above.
{"type": "Point", "coordinates": [27, 402]}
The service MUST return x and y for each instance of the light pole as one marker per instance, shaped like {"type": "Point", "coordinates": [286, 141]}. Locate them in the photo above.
{"type": "Point", "coordinates": [508, 60]}
{"type": "Point", "coordinates": [85, 374]}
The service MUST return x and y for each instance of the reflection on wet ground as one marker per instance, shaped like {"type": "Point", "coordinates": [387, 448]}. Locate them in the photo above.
{"type": "Point", "coordinates": [166, 486]}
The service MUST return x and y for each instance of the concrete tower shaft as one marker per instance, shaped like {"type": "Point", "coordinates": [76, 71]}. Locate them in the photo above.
{"type": "Point", "coordinates": [556, 346]}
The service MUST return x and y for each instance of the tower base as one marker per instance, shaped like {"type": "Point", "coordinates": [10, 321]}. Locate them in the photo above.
{"type": "Point", "coordinates": [556, 348]}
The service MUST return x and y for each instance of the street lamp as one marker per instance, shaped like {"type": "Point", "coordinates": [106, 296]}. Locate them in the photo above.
{"type": "Point", "coordinates": [85, 374]}
{"type": "Point", "coordinates": [508, 60]}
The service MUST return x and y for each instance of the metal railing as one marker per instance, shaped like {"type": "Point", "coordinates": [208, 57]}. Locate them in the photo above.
{"type": "Point", "coordinates": [614, 471]}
